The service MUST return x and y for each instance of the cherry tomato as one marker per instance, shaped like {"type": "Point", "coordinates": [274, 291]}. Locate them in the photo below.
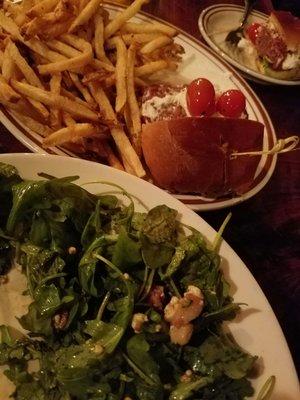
{"type": "Point", "coordinates": [200, 97]}
{"type": "Point", "coordinates": [252, 31]}
{"type": "Point", "coordinates": [231, 104]}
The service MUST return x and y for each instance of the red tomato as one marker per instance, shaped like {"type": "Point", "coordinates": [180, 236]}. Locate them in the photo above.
{"type": "Point", "coordinates": [231, 104]}
{"type": "Point", "coordinates": [252, 31]}
{"type": "Point", "coordinates": [200, 97]}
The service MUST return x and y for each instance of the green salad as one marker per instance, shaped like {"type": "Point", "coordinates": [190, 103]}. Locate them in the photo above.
{"type": "Point", "coordinates": [125, 305]}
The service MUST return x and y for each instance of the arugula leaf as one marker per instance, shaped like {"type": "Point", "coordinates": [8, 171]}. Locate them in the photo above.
{"type": "Point", "coordinates": [107, 335]}
{"type": "Point", "coordinates": [156, 255]}
{"type": "Point", "coordinates": [185, 390]}
{"type": "Point", "coordinates": [5, 254]}
{"type": "Point", "coordinates": [8, 177]}
{"type": "Point", "coordinates": [33, 322]}
{"type": "Point", "coordinates": [160, 225]}
{"type": "Point", "coordinates": [138, 352]}
{"type": "Point", "coordinates": [93, 228]}
{"type": "Point", "coordinates": [73, 201]}
{"type": "Point", "coordinates": [175, 263]}
{"type": "Point", "coordinates": [126, 252]}
{"type": "Point", "coordinates": [227, 389]}
{"type": "Point", "coordinates": [87, 267]}
{"type": "Point", "coordinates": [217, 356]}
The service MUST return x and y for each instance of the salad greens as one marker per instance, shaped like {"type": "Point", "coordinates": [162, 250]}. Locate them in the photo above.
{"type": "Point", "coordinates": [91, 265]}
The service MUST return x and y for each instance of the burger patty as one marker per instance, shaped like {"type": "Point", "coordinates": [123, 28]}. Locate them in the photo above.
{"type": "Point", "coordinates": [271, 46]}
{"type": "Point", "coordinates": [160, 102]}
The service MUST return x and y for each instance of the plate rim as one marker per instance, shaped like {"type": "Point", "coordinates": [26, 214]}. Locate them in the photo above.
{"type": "Point", "coordinates": [192, 201]}
{"type": "Point", "coordinates": [259, 77]}
{"type": "Point", "coordinates": [198, 222]}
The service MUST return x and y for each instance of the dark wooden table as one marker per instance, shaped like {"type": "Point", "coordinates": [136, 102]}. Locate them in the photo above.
{"type": "Point", "coordinates": [265, 230]}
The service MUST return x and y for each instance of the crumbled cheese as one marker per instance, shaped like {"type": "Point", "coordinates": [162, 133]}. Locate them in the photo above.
{"type": "Point", "coordinates": [138, 321]}
{"type": "Point", "coordinates": [291, 61]}
{"type": "Point", "coordinates": [195, 291]}
{"type": "Point", "coordinates": [151, 107]}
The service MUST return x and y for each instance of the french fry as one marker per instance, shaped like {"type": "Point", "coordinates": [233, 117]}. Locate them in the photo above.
{"type": "Point", "coordinates": [1, 58]}
{"type": "Point", "coordinates": [50, 24]}
{"type": "Point", "coordinates": [85, 14]}
{"type": "Point", "coordinates": [43, 50]}
{"type": "Point", "coordinates": [150, 68]}
{"type": "Point", "coordinates": [130, 38]}
{"type": "Point", "coordinates": [55, 113]}
{"type": "Point", "coordinates": [132, 101]}
{"type": "Point", "coordinates": [99, 38]}
{"type": "Point", "coordinates": [40, 108]}
{"type": "Point", "coordinates": [26, 5]}
{"type": "Point", "coordinates": [114, 25]}
{"type": "Point", "coordinates": [67, 65]}
{"type": "Point", "coordinates": [8, 65]}
{"type": "Point", "coordinates": [71, 133]}
{"type": "Point", "coordinates": [31, 123]}
{"type": "Point", "coordinates": [75, 98]}
{"type": "Point", "coordinates": [24, 67]}
{"type": "Point", "coordinates": [156, 27]}
{"type": "Point", "coordinates": [76, 42]}
{"type": "Point", "coordinates": [156, 43]}
{"type": "Point", "coordinates": [68, 120]}
{"type": "Point", "coordinates": [120, 74]}
{"type": "Point", "coordinates": [8, 25]}
{"type": "Point", "coordinates": [97, 64]}
{"type": "Point", "coordinates": [122, 142]}
{"type": "Point", "coordinates": [17, 12]}
{"type": "Point", "coordinates": [7, 92]}
{"type": "Point", "coordinates": [42, 8]}
{"type": "Point", "coordinates": [80, 73]}
{"type": "Point", "coordinates": [63, 48]}
{"type": "Point", "coordinates": [83, 90]}
{"type": "Point", "coordinates": [82, 4]}
{"type": "Point", "coordinates": [23, 107]}
{"type": "Point", "coordinates": [112, 159]}
{"type": "Point", "coordinates": [58, 101]}
{"type": "Point", "coordinates": [128, 167]}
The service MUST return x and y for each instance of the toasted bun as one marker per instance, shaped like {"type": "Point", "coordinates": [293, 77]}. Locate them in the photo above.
{"type": "Point", "coordinates": [192, 155]}
{"type": "Point", "coordinates": [289, 27]}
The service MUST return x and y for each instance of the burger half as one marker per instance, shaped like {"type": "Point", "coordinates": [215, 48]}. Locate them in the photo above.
{"type": "Point", "coordinates": [274, 47]}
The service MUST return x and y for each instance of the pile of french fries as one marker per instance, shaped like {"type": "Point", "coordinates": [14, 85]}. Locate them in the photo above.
{"type": "Point", "coordinates": [72, 73]}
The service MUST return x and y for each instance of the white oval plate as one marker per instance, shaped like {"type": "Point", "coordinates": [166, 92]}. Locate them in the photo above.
{"type": "Point", "coordinates": [198, 61]}
{"type": "Point", "coordinates": [216, 21]}
{"type": "Point", "coordinates": [256, 329]}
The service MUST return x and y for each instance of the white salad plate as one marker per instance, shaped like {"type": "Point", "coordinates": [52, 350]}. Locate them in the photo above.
{"type": "Point", "coordinates": [256, 328]}
{"type": "Point", "coordinates": [198, 61]}
{"type": "Point", "coordinates": [216, 21]}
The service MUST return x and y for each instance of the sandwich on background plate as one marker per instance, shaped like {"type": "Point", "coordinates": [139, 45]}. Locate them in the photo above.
{"type": "Point", "coordinates": [273, 48]}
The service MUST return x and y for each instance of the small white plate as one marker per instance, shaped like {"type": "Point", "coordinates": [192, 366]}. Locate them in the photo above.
{"type": "Point", "coordinates": [256, 329]}
{"type": "Point", "coordinates": [216, 21]}
{"type": "Point", "coordinates": [198, 61]}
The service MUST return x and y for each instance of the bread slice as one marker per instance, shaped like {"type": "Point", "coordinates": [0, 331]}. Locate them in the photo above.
{"type": "Point", "coordinates": [288, 26]}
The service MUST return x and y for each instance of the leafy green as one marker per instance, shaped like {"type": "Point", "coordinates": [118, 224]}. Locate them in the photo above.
{"type": "Point", "coordinates": [138, 352]}
{"type": "Point", "coordinates": [91, 265]}
{"type": "Point", "coordinates": [160, 225]}
{"type": "Point", "coordinates": [218, 355]}
{"type": "Point", "coordinates": [127, 252]}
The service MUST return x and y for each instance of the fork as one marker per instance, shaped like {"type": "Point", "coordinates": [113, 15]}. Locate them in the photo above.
{"type": "Point", "coordinates": [235, 36]}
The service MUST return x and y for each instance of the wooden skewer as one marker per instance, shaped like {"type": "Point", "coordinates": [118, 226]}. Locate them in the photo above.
{"type": "Point", "coordinates": [282, 146]}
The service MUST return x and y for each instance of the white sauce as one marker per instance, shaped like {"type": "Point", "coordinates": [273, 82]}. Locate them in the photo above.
{"type": "Point", "coordinates": [247, 46]}
{"type": "Point", "coordinates": [151, 107]}
{"type": "Point", "coordinates": [291, 61]}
